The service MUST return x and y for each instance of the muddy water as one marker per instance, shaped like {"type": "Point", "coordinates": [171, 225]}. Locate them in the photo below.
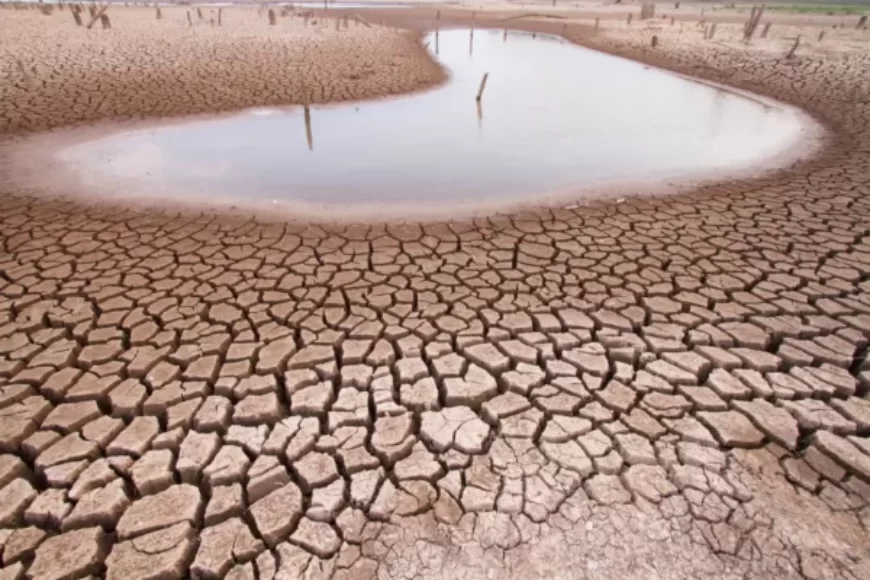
{"type": "Point", "coordinates": [555, 120]}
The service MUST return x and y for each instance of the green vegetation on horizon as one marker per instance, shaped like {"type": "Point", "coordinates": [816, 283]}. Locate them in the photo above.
{"type": "Point", "coordinates": [819, 8]}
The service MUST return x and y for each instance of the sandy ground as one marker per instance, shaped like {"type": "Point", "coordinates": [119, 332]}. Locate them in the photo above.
{"type": "Point", "coordinates": [662, 388]}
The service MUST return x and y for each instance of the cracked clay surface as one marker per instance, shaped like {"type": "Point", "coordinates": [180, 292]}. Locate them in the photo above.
{"type": "Point", "coordinates": [662, 388]}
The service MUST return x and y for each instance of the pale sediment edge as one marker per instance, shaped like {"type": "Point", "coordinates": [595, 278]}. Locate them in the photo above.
{"type": "Point", "coordinates": [26, 170]}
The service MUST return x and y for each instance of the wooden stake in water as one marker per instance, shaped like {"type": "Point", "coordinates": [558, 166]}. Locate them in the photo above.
{"type": "Point", "coordinates": [821, 35]}
{"type": "Point", "coordinates": [861, 22]}
{"type": "Point", "coordinates": [308, 134]}
{"type": "Point", "coordinates": [220, 13]}
{"type": "Point", "coordinates": [77, 18]}
{"type": "Point", "coordinates": [482, 87]}
{"type": "Point", "coordinates": [159, 13]}
{"type": "Point", "coordinates": [436, 40]}
{"type": "Point", "coordinates": [766, 29]}
{"type": "Point", "coordinates": [189, 21]}
{"type": "Point", "coordinates": [596, 24]}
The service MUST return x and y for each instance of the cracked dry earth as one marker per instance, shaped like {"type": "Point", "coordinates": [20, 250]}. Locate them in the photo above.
{"type": "Point", "coordinates": [144, 67]}
{"type": "Point", "coordinates": [664, 388]}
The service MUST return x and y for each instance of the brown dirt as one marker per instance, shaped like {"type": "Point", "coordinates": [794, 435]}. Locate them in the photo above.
{"type": "Point", "coordinates": [664, 388]}
{"type": "Point", "coordinates": [144, 67]}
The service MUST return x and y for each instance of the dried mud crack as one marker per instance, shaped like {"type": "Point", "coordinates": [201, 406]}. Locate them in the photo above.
{"type": "Point", "coordinates": [670, 388]}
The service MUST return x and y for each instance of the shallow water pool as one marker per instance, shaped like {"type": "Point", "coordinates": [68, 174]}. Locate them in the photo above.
{"type": "Point", "coordinates": [555, 120]}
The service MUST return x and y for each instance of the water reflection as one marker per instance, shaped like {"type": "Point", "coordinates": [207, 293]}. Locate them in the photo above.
{"type": "Point", "coordinates": [557, 116]}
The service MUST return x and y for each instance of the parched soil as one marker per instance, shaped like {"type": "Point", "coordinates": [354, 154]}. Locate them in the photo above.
{"type": "Point", "coordinates": [660, 388]}
{"type": "Point", "coordinates": [144, 67]}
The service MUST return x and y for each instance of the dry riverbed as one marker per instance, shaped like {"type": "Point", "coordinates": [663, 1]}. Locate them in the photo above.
{"type": "Point", "coordinates": [669, 387]}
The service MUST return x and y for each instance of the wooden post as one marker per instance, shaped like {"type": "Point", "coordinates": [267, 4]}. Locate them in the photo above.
{"type": "Point", "coordinates": [752, 23]}
{"type": "Point", "coordinates": [220, 13]}
{"type": "Point", "coordinates": [861, 22]}
{"type": "Point", "coordinates": [77, 18]}
{"type": "Point", "coordinates": [596, 24]}
{"type": "Point", "coordinates": [821, 35]}
{"type": "Point", "coordinates": [199, 13]}
{"type": "Point", "coordinates": [159, 13]}
{"type": "Point", "coordinates": [189, 19]}
{"type": "Point", "coordinates": [104, 20]}
{"type": "Point", "coordinates": [654, 42]}
{"type": "Point", "coordinates": [628, 21]}
{"type": "Point", "coordinates": [271, 17]}
{"type": "Point", "coordinates": [797, 41]}
{"type": "Point", "coordinates": [766, 29]}
{"type": "Point", "coordinates": [482, 87]}
{"type": "Point", "coordinates": [97, 16]}
{"type": "Point", "coordinates": [436, 40]}
{"type": "Point", "coordinates": [712, 30]}
{"type": "Point", "coordinates": [308, 135]}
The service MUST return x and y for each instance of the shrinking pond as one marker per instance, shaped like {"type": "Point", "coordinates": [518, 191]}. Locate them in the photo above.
{"type": "Point", "coordinates": [555, 122]}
